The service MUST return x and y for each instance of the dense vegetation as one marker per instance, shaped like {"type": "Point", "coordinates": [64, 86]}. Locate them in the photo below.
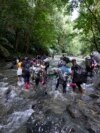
{"type": "Point", "coordinates": [40, 26]}
{"type": "Point", "coordinates": [88, 24]}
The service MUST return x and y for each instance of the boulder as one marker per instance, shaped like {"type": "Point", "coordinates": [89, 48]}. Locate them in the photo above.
{"type": "Point", "coordinates": [94, 96]}
{"type": "Point", "coordinates": [96, 56]}
{"type": "Point", "coordinates": [1, 76]}
{"type": "Point", "coordinates": [97, 82]}
{"type": "Point", "coordinates": [74, 112]}
{"type": "Point", "coordinates": [9, 65]}
{"type": "Point", "coordinates": [97, 76]}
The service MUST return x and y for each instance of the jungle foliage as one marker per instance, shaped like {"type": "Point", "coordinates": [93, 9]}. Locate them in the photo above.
{"type": "Point", "coordinates": [36, 26]}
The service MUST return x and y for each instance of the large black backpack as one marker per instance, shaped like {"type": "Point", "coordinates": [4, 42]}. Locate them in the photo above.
{"type": "Point", "coordinates": [80, 75]}
{"type": "Point", "coordinates": [66, 59]}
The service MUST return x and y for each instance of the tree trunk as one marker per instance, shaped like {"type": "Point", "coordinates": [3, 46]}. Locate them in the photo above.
{"type": "Point", "coordinates": [94, 38]}
{"type": "Point", "coordinates": [26, 43]}
{"type": "Point", "coordinates": [94, 16]}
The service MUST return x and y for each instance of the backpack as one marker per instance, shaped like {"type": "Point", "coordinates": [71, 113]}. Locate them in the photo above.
{"type": "Point", "coordinates": [66, 59]}
{"type": "Point", "coordinates": [26, 67]}
{"type": "Point", "coordinates": [80, 75]}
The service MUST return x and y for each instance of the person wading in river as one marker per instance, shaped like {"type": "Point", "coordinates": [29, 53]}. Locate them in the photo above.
{"type": "Point", "coordinates": [78, 77]}
{"type": "Point", "coordinates": [90, 64]}
{"type": "Point", "coordinates": [19, 70]}
{"type": "Point", "coordinates": [62, 77]}
{"type": "Point", "coordinates": [26, 72]}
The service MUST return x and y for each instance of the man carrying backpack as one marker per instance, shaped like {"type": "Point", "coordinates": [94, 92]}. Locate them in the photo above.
{"type": "Point", "coordinates": [90, 63]}
{"type": "Point", "coordinates": [78, 76]}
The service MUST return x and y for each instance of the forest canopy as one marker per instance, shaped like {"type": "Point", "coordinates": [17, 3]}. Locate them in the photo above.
{"type": "Point", "coordinates": [38, 26]}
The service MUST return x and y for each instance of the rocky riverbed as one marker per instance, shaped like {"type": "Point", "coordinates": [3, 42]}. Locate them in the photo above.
{"type": "Point", "coordinates": [35, 112]}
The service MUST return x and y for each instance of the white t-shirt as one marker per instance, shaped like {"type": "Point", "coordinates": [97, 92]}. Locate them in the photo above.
{"type": "Point", "coordinates": [17, 60]}
{"type": "Point", "coordinates": [19, 71]}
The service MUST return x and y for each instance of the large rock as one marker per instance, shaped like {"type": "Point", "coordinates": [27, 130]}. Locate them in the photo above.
{"type": "Point", "coordinates": [96, 56]}
{"type": "Point", "coordinates": [9, 65]}
{"type": "Point", "coordinates": [97, 82]}
{"type": "Point", "coordinates": [73, 112]}
{"type": "Point", "coordinates": [94, 96]}
{"type": "Point", "coordinates": [97, 76]}
{"type": "Point", "coordinates": [1, 76]}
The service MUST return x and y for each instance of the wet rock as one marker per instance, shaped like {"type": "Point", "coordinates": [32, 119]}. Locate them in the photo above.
{"type": "Point", "coordinates": [97, 76]}
{"type": "Point", "coordinates": [72, 130]}
{"type": "Point", "coordinates": [16, 121]}
{"type": "Point", "coordinates": [3, 111]}
{"type": "Point", "coordinates": [96, 56]}
{"type": "Point", "coordinates": [2, 84]}
{"type": "Point", "coordinates": [91, 130]}
{"type": "Point", "coordinates": [33, 106]}
{"type": "Point", "coordinates": [97, 82]}
{"type": "Point", "coordinates": [47, 112]}
{"type": "Point", "coordinates": [9, 65]}
{"type": "Point", "coordinates": [86, 98]}
{"type": "Point", "coordinates": [98, 101]}
{"type": "Point", "coordinates": [22, 130]}
{"type": "Point", "coordinates": [74, 112]}
{"type": "Point", "coordinates": [1, 76]}
{"type": "Point", "coordinates": [94, 96]}
{"type": "Point", "coordinates": [53, 123]}
{"type": "Point", "coordinates": [7, 92]}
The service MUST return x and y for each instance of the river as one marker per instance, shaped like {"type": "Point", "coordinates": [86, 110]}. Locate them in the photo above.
{"type": "Point", "coordinates": [35, 112]}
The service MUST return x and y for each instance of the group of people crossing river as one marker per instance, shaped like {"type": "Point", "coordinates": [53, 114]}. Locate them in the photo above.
{"type": "Point", "coordinates": [36, 71]}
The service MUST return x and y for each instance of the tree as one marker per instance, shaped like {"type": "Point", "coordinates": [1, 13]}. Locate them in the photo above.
{"type": "Point", "coordinates": [88, 22]}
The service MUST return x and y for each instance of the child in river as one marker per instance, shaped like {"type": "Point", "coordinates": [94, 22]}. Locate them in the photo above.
{"type": "Point", "coordinates": [20, 81]}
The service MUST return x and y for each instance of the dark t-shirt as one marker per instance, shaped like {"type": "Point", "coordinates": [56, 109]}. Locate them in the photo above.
{"type": "Point", "coordinates": [75, 67]}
